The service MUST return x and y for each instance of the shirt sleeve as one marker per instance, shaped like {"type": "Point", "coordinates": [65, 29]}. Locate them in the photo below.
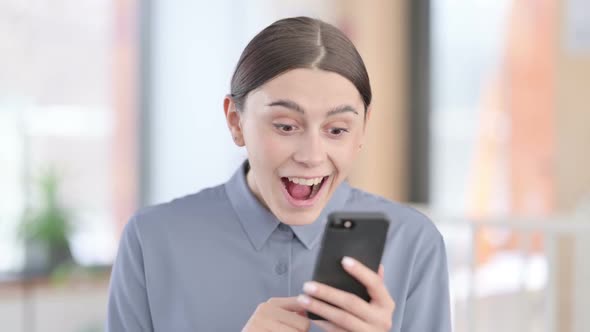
{"type": "Point", "coordinates": [428, 302]}
{"type": "Point", "coordinates": [128, 307]}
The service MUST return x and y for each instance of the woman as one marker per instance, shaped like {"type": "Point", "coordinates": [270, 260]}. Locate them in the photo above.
{"type": "Point", "coordinates": [239, 256]}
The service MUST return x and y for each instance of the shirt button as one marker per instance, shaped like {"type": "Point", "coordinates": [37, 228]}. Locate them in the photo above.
{"type": "Point", "coordinates": [281, 268]}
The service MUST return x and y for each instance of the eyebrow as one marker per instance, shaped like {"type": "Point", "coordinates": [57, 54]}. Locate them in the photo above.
{"type": "Point", "coordinates": [289, 104]}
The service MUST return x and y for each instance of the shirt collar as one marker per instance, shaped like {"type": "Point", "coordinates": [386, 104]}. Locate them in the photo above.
{"type": "Point", "coordinates": [259, 223]}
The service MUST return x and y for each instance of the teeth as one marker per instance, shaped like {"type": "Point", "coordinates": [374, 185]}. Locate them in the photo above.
{"type": "Point", "coordinates": [314, 190]}
{"type": "Point", "coordinates": [306, 182]}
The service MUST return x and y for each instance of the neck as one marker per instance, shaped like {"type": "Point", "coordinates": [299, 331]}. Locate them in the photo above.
{"type": "Point", "coordinates": [250, 181]}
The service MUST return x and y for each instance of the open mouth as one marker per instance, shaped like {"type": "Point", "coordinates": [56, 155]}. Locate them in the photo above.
{"type": "Point", "coordinates": [303, 189]}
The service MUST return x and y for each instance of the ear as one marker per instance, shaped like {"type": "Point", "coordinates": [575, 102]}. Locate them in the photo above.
{"type": "Point", "coordinates": [367, 116]}
{"type": "Point", "coordinates": [364, 134]}
{"type": "Point", "coordinates": [232, 117]}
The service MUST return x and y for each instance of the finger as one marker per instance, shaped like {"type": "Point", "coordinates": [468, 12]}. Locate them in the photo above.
{"type": "Point", "coordinates": [332, 314]}
{"type": "Point", "coordinates": [346, 301]}
{"type": "Point", "coordinates": [271, 325]}
{"type": "Point", "coordinates": [375, 286]}
{"type": "Point", "coordinates": [289, 318]}
{"type": "Point", "coordinates": [327, 326]}
{"type": "Point", "coordinates": [381, 271]}
{"type": "Point", "coordinates": [287, 303]}
{"type": "Point", "coordinates": [293, 320]}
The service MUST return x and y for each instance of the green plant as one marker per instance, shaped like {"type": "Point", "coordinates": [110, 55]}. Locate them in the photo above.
{"type": "Point", "coordinates": [48, 225]}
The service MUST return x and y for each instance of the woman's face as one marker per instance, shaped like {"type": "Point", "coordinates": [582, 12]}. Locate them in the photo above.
{"type": "Point", "coordinates": [303, 131]}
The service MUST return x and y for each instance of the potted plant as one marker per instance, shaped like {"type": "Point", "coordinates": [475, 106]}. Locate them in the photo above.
{"type": "Point", "coordinates": [45, 229]}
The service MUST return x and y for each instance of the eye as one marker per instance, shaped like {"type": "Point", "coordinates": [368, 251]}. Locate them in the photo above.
{"type": "Point", "coordinates": [338, 131]}
{"type": "Point", "coordinates": [285, 128]}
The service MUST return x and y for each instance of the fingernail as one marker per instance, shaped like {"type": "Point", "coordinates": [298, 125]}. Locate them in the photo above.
{"type": "Point", "coordinates": [303, 299]}
{"type": "Point", "coordinates": [347, 261]}
{"type": "Point", "coordinates": [309, 287]}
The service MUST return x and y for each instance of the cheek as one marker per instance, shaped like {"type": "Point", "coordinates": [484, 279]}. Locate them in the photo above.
{"type": "Point", "coordinates": [344, 156]}
{"type": "Point", "coordinates": [266, 146]}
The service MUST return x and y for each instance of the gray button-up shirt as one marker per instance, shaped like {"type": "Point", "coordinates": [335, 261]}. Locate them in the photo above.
{"type": "Point", "coordinates": [205, 261]}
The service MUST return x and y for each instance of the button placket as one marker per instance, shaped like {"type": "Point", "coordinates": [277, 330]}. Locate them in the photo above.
{"type": "Point", "coordinates": [284, 236]}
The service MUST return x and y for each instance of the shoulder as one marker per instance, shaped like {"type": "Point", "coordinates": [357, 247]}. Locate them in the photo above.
{"type": "Point", "coordinates": [180, 212]}
{"type": "Point", "coordinates": [403, 218]}
{"type": "Point", "coordinates": [413, 240]}
{"type": "Point", "coordinates": [191, 202]}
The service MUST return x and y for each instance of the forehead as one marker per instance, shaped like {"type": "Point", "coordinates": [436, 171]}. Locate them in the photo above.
{"type": "Point", "coordinates": [311, 88]}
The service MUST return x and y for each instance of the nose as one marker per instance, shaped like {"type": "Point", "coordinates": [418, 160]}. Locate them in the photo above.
{"type": "Point", "coordinates": [311, 151]}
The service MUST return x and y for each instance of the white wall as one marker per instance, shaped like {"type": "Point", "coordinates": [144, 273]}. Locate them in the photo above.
{"type": "Point", "coordinates": [195, 47]}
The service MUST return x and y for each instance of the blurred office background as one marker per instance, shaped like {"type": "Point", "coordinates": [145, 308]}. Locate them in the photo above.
{"type": "Point", "coordinates": [481, 119]}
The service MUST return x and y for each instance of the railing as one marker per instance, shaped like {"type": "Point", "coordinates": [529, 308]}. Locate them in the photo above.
{"type": "Point", "coordinates": [461, 237]}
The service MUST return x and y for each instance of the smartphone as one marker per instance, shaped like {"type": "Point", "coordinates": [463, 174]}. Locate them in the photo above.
{"type": "Point", "coordinates": [360, 235]}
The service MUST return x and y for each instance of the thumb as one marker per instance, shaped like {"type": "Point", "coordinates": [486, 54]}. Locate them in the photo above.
{"type": "Point", "coordinates": [287, 303]}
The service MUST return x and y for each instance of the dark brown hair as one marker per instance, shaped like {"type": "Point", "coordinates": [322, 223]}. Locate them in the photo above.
{"type": "Point", "coordinates": [298, 42]}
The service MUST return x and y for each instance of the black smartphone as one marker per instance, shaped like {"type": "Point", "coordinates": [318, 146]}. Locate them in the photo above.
{"type": "Point", "coordinates": [360, 235]}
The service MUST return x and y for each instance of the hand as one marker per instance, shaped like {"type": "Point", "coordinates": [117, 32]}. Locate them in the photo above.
{"type": "Point", "coordinates": [345, 311]}
{"type": "Point", "coordinates": [278, 314]}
